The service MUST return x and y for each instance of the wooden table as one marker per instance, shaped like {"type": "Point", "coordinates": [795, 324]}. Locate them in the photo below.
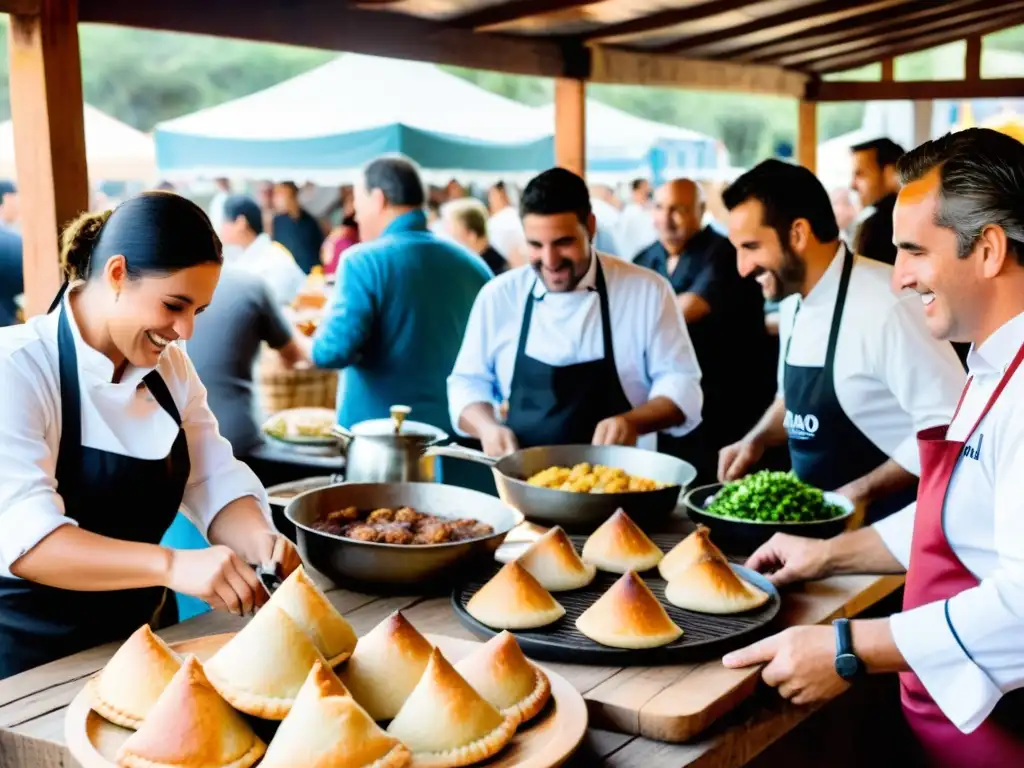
{"type": "Point", "coordinates": [32, 704]}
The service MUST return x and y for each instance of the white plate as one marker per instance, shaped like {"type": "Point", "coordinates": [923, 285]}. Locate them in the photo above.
{"type": "Point", "coordinates": [307, 440]}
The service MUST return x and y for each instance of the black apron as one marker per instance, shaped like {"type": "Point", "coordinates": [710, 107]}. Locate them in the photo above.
{"type": "Point", "coordinates": [562, 405]}
{"type": "Point", "coordinates": [826, 448]}
{"type": "Point", "coordinates": [108, 494]}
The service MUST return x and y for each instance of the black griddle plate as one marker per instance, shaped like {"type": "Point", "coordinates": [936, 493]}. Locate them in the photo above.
{"type": "Point", "coordinates": [704, 635]}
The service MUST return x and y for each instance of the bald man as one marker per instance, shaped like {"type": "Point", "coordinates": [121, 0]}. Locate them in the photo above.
{"type": "Point", "coordinates": [725, 316]}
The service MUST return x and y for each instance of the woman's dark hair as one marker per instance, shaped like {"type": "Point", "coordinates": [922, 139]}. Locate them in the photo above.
{"type": "Point", "coordinates": [555, 191]}
{"type": "Point", "coordinates": [786, 192]}
{"type": "Point", "coordinates": [981, 182]}
{"type": "Point", "coordinates": [156, 232]}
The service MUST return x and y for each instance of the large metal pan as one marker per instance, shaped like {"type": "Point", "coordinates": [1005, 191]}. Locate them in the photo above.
{"type": "Point", "coordinates": [583, 512]}
{"type": "Point", "coordinates": [344, 560]}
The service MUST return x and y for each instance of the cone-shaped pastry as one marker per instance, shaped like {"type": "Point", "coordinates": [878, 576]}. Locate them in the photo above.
{"type": "Point", "coordinates": [131, 682]}
{"type": "Point", "coordinates": [328, 729]}
{"type": "Point", "coordinates": [552, 561]}
{"type": "Point", "coordinates": [191, 726]}
{"type": "Point", "coordinates": [386, 666]}
{"type": "Point", "coordinates": [446, 723]}
{"type": "Point", "coordinates": [690, 550]}
{"type": "Point", "coordinates": [261, 669]}
{"type": "Point", "coordinates": [628, 615]}
{"type": "Point", "coordinates": [500, 673]}
{"type": "Point", "coordinates": [513, 599]}
{"type": "Point", "coordinates": [711, 586]}
{"type": "Point", "coordinates": [619, 545]}
{"type": "Point", "coordinates": [301, 599]}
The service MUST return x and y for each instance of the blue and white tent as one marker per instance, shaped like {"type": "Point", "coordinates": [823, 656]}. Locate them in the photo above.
{"type": "Point", "coordinates": [324, 125]}
{"type": "Point", "coordinates": [621, 146]}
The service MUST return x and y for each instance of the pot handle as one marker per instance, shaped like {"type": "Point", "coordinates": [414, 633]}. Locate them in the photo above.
{"type": "Point", "coordinates": [456, 451]}
{"type": "Point", "coordinates": [346, 435]}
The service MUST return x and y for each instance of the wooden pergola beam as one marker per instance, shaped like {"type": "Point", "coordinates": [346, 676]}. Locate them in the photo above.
{"type": "Point", "coordinates": [915, 41]}
{"type": "Point", "coordinates": [571, 125]}
{"type": "Point", "coordinates": [506, 13]}
{"type": "Point", "coordinates": [837, 32]}
{"type": "Point", "coordinates": [807, 135]}
{"type": "Point", "coordinates": [995, 88]}
{"type": "Point", "coordinates": [662, 19]}
{"type": "Point", "coordinates": [21, 7]}
{"type": "Point", "coordinates": [721, 41]}
{"type": "Point", "coordinates": [894, 34]}
{"type": "Point", "coordinates": [49, 138]}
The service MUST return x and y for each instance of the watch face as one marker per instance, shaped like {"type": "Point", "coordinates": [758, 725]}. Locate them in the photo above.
{"type": "Point", "coordinates": [847, 666]}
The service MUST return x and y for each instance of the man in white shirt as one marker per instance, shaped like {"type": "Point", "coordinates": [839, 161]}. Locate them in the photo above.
{"type": "Point", "coordinates": [959, 642]}
{"type": "Point", "coordinates": [583, 347]}
{"type": "Point", "coordinates": [636, 228]}
{"type": "Point", "coordinates": [248, 247]}
{"type": "Point", "coordinates": [859, 374]}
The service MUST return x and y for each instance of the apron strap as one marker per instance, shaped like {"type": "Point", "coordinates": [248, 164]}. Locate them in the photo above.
{"type": "Point", "coordinates": [606, 317]}
{"type": "Point", "coordinates": [158, 388]}
{"type": "Point", "coordinates": [837, 312]}
{"type": "Point", "coordinates": [1014, 365]}
{"type": "Point", "coordinates": [69, 451]}
{"type": "Point", "coordinates": [60, 295]}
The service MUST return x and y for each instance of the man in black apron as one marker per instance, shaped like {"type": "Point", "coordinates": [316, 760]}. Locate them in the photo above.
{"type": "Point", "coordinates": [636, 377]}
{"type": "Point", "coordinates": [784, 229]}
{"type": "Point", "coordinates": [109, 494]}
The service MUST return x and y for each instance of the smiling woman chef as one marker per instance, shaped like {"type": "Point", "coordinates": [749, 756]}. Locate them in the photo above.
{"type": "Point", "coordinates": [105, 432]}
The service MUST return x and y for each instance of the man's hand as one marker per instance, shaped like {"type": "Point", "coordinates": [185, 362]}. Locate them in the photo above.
{"type": "Point", "coordinates": [736, 460]}
{"type": "Point", "coordinates": [499, 440]}
{"type": "Point", "coordinates": [787, 559]}
{"type": "Point", "coordinates": [800, 663]}
{"type": "Point", "coordinates": [618, 430]}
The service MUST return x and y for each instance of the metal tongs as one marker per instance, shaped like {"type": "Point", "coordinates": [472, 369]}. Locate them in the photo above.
{"type": "Point", "coordinates": [270, 572]}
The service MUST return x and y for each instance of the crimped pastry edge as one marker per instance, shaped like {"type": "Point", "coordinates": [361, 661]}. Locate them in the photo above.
{"type": "Point", "coordinates": [474, 752]}
{"type": "Point", "coordinates": [398, 757]}
{"type": "Point", "coordinates": [531, 706]}
{"type": "Point", "coordinates": [107, 711]}
{"type": "Point", "coordinates": [249, 759]}
{"type": "Point", "coordinates": [254, 704]}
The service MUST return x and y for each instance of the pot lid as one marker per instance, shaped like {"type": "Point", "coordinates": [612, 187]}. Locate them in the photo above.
{"type": "Point", "coordinates": [409, 429]}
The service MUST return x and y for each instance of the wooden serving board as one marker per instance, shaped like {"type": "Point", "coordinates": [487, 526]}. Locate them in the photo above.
{"type": "Point", "coordinates": [545, 742]}
{"type": "Point", "coordinates": [677, 702]}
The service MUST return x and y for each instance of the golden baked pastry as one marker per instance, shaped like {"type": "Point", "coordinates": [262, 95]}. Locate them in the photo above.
{"type": "Point", "coordinates": [446, 723]}
{"type": "Point", "coordinates": [711, 586]}
{"type": "Point", "coordinates": [619, 545]}
{"type": "Point", "coordinates": [693, 548]}
{"type": "Point", "coordinates": [261, 669]}
{"type": "Point", "coordinates": [500, 673]}
{"type": "Point", "coordinates": [552, 560]}
{"type": "Point", "coordinates": [191, 726]}
{"type": "Point", "coordinates": [301, 598]}
{"type": "Point", "coordinates": [128, 686]}
{"type": "Point", "coordinates": [513, 599]}
{"type": "Point", "coordinates": [387, 664]}
{"type": "Point", "coordinates": [628, 615]}
{"type": "Point", "coordinates": [328, 729]}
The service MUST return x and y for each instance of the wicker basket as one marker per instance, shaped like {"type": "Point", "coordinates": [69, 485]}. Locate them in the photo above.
{"type": "Point", "coordinates": [280, 388]}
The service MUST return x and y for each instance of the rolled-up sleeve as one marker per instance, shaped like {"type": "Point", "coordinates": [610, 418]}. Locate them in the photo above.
{"type": "Point", "coordinates": [30, 507]}
{"type": "Point", "coordinates": [474, 377]}
{"type": "Point", "coordinates": [339, 341]}
{"type": "Point", "coordinates": [216, 478]}
{"type": "Point", "coordinates": [672, 365]}
{"type": "Point", "coordinates": [968, 650]}
{"type": "Point", "coordinates": [924, 375]}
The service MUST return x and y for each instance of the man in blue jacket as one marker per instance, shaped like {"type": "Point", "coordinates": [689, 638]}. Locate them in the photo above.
{"type": "Point", "coordinates": [401, 304]}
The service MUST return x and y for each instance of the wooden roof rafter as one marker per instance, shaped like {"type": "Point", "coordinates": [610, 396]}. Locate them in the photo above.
{"type": "Point", "coordinates": [506, 13]}
{"type": "Point", "coordinates": [662, 19]}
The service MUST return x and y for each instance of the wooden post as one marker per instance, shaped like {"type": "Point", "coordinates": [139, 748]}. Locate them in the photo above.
{"type": "Point", "coordinates": [49, 138]}
{"type": "Point", "coordinates": [807, 135]}
{"type": "Point", "coordinates": [972, 59]}
{"type": "Point", "coordinates": [887, 71]}
{"type": "Point", "coordinates": [571, 125]}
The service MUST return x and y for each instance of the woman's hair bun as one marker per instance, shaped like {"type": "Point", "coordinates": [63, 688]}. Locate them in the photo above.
{"type": "Point", "coordinates": [77, 242]}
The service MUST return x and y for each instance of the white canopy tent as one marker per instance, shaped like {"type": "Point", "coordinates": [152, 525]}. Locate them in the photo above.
{"type": "Point", "coordinates": [326, 124]}
{"type": "Point", "coordinates": [114, 151]}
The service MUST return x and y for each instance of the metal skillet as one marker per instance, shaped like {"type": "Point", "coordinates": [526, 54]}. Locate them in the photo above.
{"type": "Point", "coordinates": [582, 512]}
{"type": "Point", "coordinates": [345, 560]}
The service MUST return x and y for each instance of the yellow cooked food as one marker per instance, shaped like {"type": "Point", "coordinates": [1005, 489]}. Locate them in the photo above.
{"type": "Point", "coordinates": [596, 478]}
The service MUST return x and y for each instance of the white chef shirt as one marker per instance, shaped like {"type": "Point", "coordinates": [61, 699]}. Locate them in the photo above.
{"type": "Point", "coordinates": [891, 376]}
{"type": "Point", "coordinates": [119, 418]}
{"type": "Point", "coordinates": [968, 659]}
{"type": "Point", "coordinates": [274, 263]}
{"type": "Point", "coordinates": [653, 352]}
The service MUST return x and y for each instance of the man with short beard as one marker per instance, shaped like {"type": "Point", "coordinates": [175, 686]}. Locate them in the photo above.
{"type": "Point", "coordinates": [854, 386]}
{"type": "Point", "coordinates": [584, 347]}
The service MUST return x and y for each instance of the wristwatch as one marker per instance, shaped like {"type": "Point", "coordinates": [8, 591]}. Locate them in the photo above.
{"type": "Point", "coordinates": [848, 664]}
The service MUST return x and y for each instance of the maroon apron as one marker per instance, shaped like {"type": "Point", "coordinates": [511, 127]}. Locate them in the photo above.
{"type": "Point", "coordinates": [936, 573]}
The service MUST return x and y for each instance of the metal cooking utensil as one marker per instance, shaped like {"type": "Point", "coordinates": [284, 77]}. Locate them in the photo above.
{"type": "Point", "coordinates": [270, 577]}
{"type": "Point", "coordinates": [582, 512]}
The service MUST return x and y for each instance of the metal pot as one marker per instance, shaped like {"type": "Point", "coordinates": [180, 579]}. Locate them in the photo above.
{"type": "Point", "coordinates": [390, 450]}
